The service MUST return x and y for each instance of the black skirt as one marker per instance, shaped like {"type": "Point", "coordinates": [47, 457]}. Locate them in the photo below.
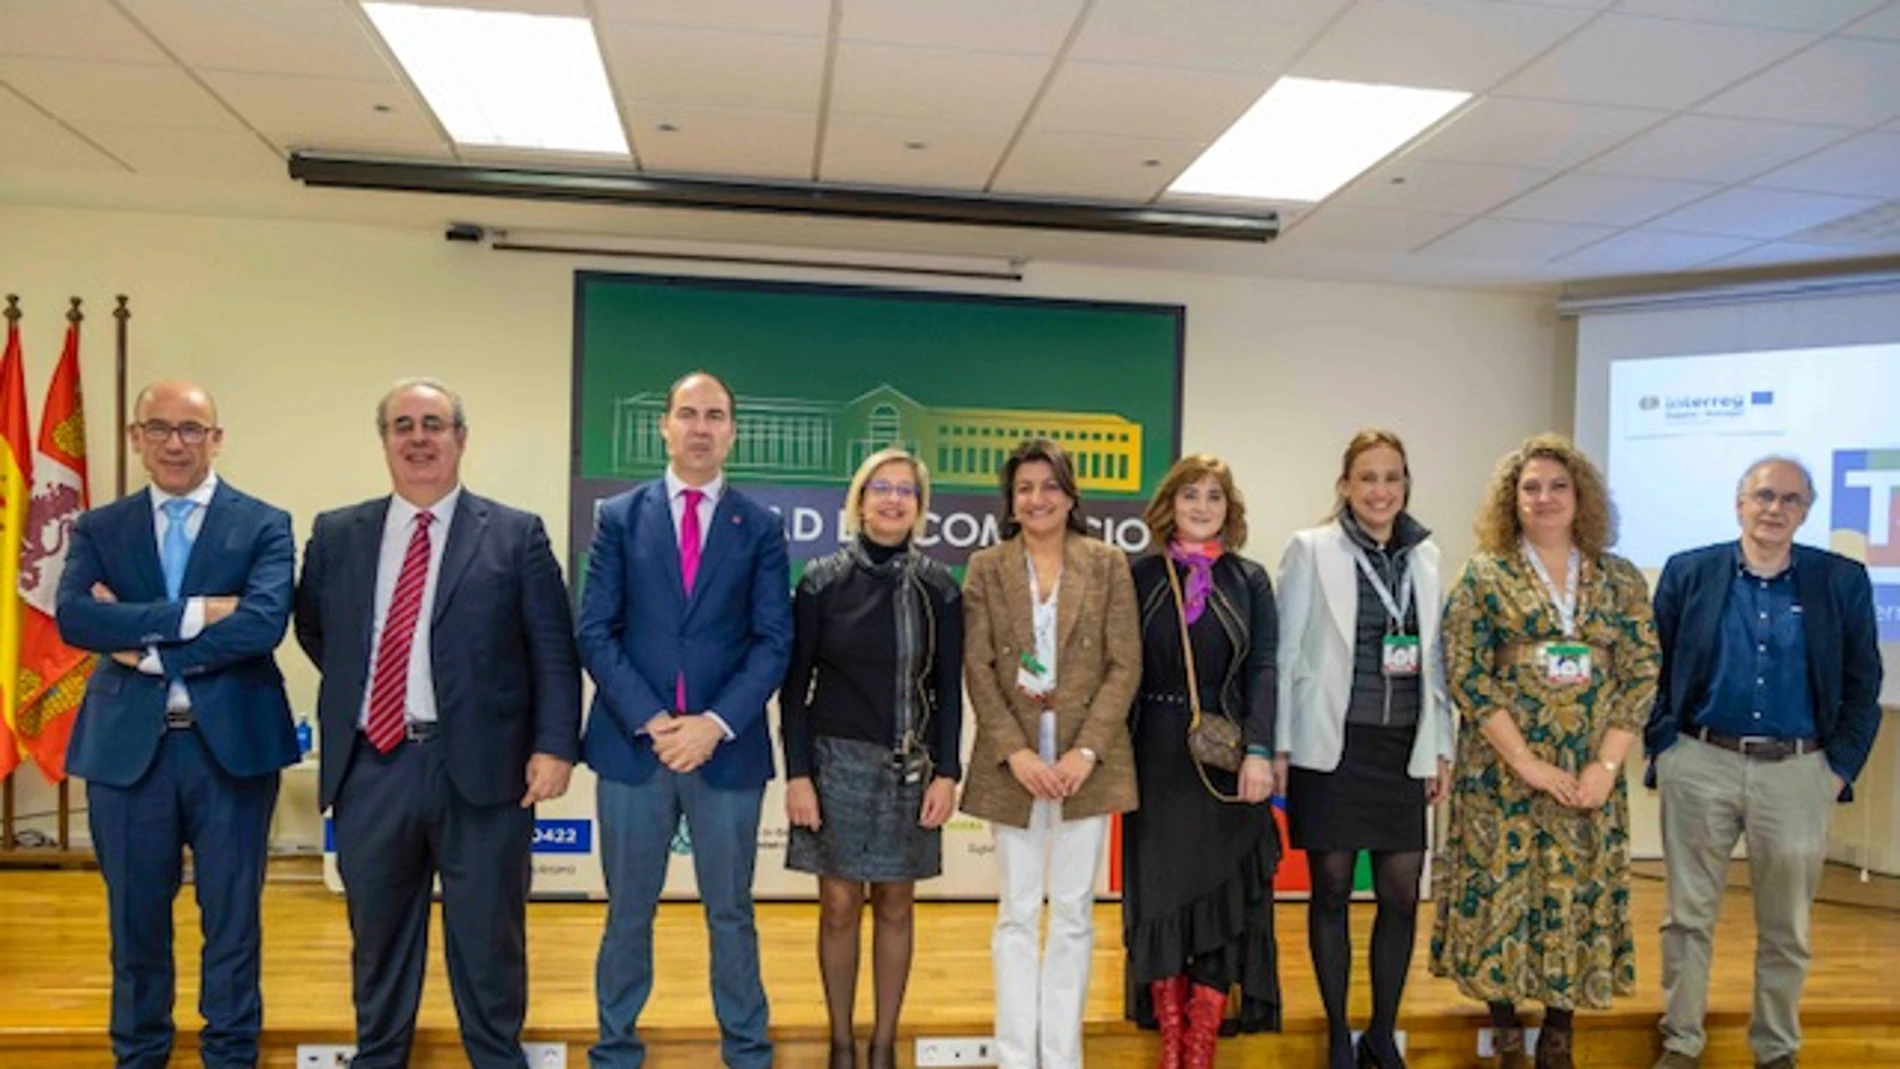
{"type": "Point", "coordinates": [1369, 802]}
{"type": "Point", "coordinates": [1197, 880]}
{"type": "Point", "coordinates": [867, 828]}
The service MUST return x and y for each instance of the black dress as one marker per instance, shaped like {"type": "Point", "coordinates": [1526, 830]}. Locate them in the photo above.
{"type": "Point", "coordinates": [1197, 873]}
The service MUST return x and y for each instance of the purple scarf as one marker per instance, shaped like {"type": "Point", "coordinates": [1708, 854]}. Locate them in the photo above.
{"type": "Point", "coordinates": [1198, 559]}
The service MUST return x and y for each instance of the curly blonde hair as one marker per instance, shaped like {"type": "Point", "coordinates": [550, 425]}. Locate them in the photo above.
{"type": "Point", "coordinates": [1593, 528]}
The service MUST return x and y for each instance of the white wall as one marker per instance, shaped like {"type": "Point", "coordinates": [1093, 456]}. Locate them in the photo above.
{"type": "Point", "coordinates": [298, 326]}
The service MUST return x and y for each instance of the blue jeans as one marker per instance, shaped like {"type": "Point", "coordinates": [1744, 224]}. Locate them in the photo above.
{"type": "Point", "coordinates": [637, 825]}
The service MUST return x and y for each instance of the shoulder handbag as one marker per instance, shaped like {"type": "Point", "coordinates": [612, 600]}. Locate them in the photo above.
{"type": "Point", "coordinates": [1213, 739]}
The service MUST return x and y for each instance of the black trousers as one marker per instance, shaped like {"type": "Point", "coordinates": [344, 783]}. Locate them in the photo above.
{"type": "Point", "coordinates": [400, 824]}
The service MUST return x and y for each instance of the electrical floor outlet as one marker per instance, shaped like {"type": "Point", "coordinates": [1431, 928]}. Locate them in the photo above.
{"type": "Point", "coordinates": [955, 1050]}
{"type": "Point", "coordinates": [338, 1055]}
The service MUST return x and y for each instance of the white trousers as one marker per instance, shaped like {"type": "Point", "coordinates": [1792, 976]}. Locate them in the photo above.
{"type": "Point", "coordinates": [1039, 1003]}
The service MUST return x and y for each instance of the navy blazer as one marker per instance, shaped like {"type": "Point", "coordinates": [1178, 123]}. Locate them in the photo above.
{"type": "Point", "coordinates": [1837, 609]}
{"type": "Point", "coordinates": [639, 630]}
{"type": "Point", "coordinates": [501, 643]}
{"type": "Point", "coordinates": [244, 548]}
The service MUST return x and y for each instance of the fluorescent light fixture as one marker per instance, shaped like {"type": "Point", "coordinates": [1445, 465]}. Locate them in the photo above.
{"type": "Point", "coordinates": [506, 79]}
{"type": "Point", "coordinates": [1304, 138]}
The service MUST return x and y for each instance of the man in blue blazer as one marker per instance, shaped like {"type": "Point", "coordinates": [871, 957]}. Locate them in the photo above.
{"type": "Point", "coordinates": [450, 705]}
{"type": "Point", "coordinates": [184, 589]}
{"type": "Point", "coordinates": [1765, 712]}
{"type": "Point", "coordinates": [686, 627]}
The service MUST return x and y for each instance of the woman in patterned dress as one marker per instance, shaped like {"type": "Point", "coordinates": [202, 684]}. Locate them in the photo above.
{"type": "Point", "coordinates": [1552, 659]}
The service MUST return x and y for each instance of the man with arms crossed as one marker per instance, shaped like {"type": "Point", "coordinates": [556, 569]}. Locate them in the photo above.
{"type": "Point", "coordinates": [686, 627]}
{"type": "Point", "coordinates": [184, 589]}
{"type": "Point", "coordinates": [450, 705]}
{"type": "Point", "coordinates": [1767, 707]}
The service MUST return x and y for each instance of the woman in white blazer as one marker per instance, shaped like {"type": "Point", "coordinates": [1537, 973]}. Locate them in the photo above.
{"type": "Point", "coordinates": [1364, 728]}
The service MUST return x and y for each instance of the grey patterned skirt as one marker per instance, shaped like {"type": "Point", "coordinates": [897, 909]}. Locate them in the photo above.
{"type": "Point", "coordinates": [867, 816]}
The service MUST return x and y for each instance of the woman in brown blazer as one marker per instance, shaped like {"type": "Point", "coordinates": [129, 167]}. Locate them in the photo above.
{"type": "Point", "coordinates": [1051, 658]}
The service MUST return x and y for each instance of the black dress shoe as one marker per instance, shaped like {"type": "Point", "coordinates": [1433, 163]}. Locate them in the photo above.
{"type": "Point", "coordinates": [1378, 1054]}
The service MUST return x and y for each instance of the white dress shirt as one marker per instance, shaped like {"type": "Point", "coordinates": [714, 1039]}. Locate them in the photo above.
{"type": "Point", "coordinates": [708, 504]}
{"type": "Point", "coordinates": [398, 527]}
{"type": "Point", "coordinates": [178, 699]}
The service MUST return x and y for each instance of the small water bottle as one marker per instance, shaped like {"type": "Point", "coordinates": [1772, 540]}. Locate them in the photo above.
{"type": "Point", "coordinates": [304, 736]}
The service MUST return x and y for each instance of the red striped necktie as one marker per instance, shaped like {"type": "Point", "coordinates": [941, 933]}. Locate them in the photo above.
{"type": "Point", "coordinates": [389, 690]}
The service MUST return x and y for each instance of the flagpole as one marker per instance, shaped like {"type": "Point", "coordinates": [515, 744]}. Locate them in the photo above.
{"type": "Point", "coordinates": [122, 314]}
{"type": "Point", "coordinates": [13, 315]}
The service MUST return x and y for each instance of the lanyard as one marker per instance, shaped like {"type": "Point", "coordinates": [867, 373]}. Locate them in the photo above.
{"type": "Point", "coordinates": [1566, 606]}
{"type": "Point", "coordinates": [1395, 607]}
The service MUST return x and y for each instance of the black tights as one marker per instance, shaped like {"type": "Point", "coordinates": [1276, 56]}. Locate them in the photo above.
{"type": "Point", "coordinates": [1395, 878]}
{"type": "Point", "coordinates": [841, 908]}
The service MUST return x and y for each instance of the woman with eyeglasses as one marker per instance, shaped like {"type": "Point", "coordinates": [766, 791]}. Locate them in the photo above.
{"type": "Point", "coordinates": [870, 717]}
{"type": "Point", "coordinates": [1198, 857]}
{"type": "Point", "coordinates": [1052, 659]}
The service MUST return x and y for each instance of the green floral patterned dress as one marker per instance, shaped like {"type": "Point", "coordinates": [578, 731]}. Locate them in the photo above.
{"type": "Point", "coordinates": [1533, 898]}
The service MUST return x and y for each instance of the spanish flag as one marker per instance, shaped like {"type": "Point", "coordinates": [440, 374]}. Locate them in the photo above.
{"type": "Point", "coordinates": [14, 461]}
{"type": "Point", "coordinates": [52, 674]}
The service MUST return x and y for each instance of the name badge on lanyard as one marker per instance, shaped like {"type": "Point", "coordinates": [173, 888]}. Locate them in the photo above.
{"type": "Point", "coordinates": [1566, 663]}
{"type": "Point", "coordinates": [1399, 653]}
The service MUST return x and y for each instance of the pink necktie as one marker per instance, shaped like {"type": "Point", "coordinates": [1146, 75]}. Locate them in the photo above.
{"type": "Point", "coordinates": [389, 689]}
{"type": "Point", "coordinates": [689, 569]}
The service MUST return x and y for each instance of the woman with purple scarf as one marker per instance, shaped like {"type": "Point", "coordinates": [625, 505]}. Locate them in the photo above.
{"type": "Point", "coordinates": [1198, 857]}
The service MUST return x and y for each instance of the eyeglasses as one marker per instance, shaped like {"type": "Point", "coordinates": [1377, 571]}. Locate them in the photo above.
{"type": "Point", "coordinates": [885, 488]}
{"type": "Point", "coordinates": [157, 430]}
{"type": "Point", "coordinates": [1766, 498]}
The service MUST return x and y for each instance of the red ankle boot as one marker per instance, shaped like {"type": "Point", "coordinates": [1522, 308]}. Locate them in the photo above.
{"type": "Point", "coordinates": [1206, 1006]}
{"type": "Point", "coordinates": [1170, 1002]}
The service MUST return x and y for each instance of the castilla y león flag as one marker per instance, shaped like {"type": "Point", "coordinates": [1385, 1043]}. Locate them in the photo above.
{"type": "Point", "coordinates": [52, 675]}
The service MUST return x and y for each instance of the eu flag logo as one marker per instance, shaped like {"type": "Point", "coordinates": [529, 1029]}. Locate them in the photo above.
{"type": "Point", "coordinates": [1762, 397]}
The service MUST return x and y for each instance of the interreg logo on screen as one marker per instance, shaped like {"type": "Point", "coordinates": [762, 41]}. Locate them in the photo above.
{"type": "Point", "coordinates": [1864, 523]}
{"type": "Point", "coordinates": [1749, 411]}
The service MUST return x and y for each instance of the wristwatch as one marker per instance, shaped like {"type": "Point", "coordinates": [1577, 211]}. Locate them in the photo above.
{"type": "Point", "coordinates": [1087, 754]}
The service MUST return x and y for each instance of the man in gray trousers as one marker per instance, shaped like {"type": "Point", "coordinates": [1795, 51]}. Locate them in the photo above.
{"type": "Point", "coordinates": [1767, 707]}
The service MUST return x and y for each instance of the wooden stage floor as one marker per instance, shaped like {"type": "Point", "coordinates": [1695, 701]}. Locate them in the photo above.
{"type": "Point", "coordinates": [54, 982]}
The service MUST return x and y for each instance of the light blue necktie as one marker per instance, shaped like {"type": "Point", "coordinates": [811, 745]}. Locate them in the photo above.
{"type": "Point", "coordinates": [175, 550]}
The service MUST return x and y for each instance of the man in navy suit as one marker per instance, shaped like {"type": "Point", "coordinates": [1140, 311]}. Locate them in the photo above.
{"type": "Point", "coordinates": [184, 588]}
{"type": "Point", "coordinates": [1765, 712]}
{"type": "Point", "coordinates": [686, 627]}
{"type": "Point", "coordinates": [450, 705]}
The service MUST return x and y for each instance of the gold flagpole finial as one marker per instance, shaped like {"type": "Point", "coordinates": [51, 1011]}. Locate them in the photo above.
{"type": "Point", "coordinates": [73, 314]}
{"type": "Point", "coordinates": [13, 312]}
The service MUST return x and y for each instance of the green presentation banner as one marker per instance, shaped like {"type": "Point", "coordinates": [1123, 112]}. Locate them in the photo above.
{"type": "Point", "coordinates": [826, 375]}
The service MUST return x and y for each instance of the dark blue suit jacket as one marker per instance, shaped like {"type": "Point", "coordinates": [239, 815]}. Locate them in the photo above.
{"type": "Point", "coordinates": [1837, 608]}
{"type": "Point", "coordinates": [501, 643]}
{"type": "Point", "coordinates": [638, 630]}
{"type": "Point", "coordinates": [244, 548]}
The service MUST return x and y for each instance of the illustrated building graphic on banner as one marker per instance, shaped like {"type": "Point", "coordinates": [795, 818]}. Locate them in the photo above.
{"type": "Point", "coordinates": [797, 440]}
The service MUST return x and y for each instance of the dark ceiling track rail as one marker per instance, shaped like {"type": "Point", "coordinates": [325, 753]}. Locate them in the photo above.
{"type": "Point", "coordinates": [593, 187]}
